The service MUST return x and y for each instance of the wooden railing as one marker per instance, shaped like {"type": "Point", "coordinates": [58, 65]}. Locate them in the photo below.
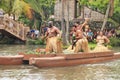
{"type": "Point", "coordinates": [15, 28]}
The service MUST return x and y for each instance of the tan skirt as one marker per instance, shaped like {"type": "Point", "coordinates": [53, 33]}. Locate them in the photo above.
{"type": "Point", "coordinates": [53, 44]}
{"type": "Point", "coordinates": [100, 48]}
{"type": "Point", "coordinates": [82, 44]}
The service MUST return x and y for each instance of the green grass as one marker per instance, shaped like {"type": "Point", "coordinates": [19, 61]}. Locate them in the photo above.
{"type": "Point", "coordinates": [92, 45]}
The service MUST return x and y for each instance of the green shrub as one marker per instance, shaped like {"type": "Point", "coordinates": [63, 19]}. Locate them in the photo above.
{"type": "Point", "coordinates": [92, 45]}
{"type": "Point", "coordinates": [114, 41]}
{"type": "Point", "coordinates": [36, 42]}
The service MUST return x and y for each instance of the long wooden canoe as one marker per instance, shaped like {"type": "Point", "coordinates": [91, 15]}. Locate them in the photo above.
{"type": "Point", "coordinates": [28, 56]}
{"type": "Point", "coordinates": [11, 60]}
{"type": "Point", "coordinates": [62, 60]}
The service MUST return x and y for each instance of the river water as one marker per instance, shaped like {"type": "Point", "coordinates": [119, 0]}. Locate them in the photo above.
{"type": "Point", "coordinates": [101, 71]}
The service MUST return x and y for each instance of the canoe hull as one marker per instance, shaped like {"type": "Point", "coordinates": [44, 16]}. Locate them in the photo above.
{"type": "Point", "coordinates": [11, 60]}
{"type": "Point", "coordinates": [73, 59]}
{"type": "Point", "coordinates": [63, 63]}
{"type": "Point", "coordinates": [28, 56]}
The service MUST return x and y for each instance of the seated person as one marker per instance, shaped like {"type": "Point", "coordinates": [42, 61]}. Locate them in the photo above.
{"type": "Point", "coordinates": [101, 40]}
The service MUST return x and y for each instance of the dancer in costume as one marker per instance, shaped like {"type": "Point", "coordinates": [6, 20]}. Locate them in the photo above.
{"type": "Point", "coordinates": [53, 43]}
{"type": "Point", "coordinates": [79, 42]}
{"type": "Point", "coordinates": [101, 40]}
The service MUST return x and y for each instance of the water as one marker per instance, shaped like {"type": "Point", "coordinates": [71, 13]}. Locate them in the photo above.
{"type": "Point", "coordinates": [101, 71]}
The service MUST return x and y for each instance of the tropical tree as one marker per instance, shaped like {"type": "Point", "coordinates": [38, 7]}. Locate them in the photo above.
{"type": "Point", "coordinates": [83, 3]}
{"type": "Point", "coordinates": [106, 16]}
{"type": "Point", "coordinates": [7, 5]}
{"type": "Point", "coordinates": [100, 6]}
{"type": "Point", "coordinates": [20, 6]}
{"type": "Point", "coordinates": [116, 13]}
{"type": "Point", "coordinates": [44, 7]}
{"type": "Point", "coordinates": [24, 10]}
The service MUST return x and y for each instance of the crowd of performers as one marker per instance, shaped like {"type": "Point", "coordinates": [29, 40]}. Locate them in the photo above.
{"type": "Point", "coordinates": [79, 39]}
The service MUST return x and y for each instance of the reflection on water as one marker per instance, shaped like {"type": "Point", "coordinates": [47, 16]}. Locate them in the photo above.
{"type": "Point", "coordinates": [102, 71]}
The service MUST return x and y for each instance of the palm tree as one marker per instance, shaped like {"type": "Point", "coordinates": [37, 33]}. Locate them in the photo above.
{"type": "Point", "coordinates": [20, 6]}
{"type": "Point", "coordinates": [43, 7]}
{"type": "Point", "coordinates": [7, 5]}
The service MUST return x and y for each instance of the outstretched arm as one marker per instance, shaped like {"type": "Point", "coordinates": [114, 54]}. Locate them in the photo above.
{"type": "Point", "coordinates": [85, 22]}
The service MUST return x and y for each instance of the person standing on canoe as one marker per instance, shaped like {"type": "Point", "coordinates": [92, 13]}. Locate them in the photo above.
{"type": "Point", "coordinates": [101, 40]}
{"type": "Point", "coordinates": [81, 41]}
{"type": "Point", "coordinates": [53, 43]}
{"type": "Point", "coordinates": [74, 29]}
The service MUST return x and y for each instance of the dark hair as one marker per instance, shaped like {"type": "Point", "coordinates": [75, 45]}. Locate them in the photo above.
{"type": "Point", "coordinates": [50, 23]}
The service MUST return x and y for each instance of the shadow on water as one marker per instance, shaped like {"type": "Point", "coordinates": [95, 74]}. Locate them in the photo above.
{"type": "Point", "coordinates": [102, 71]}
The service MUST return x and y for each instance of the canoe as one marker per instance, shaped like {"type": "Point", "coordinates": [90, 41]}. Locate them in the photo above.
{"type": "Point", "coordinates": [11, 60]}
{"type": "Point", "coordinates": [81, 55]}
{"type": "Point", "coordinates": [28, 56]}
{"type": "Point", "coordinates": [62, 60]}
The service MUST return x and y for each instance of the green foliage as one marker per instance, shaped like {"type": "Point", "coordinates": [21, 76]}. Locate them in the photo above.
{"type": "Point", "coordinates": [36, 42]}
{"type": "Point", "coordinates": [101, 6]}
{"type": "Point", "coordinates": [84, 2]}
{"type": "Point", "coordinates": [36, 51]}
{"type": "Point", "coordinates": [7, 5]}
{"type": "Point", "coordinates": [25, 20]}
{"type": "Point", "coordinates": [65, 46]}
{"type": "Point", "coordinates": [17, 7]}
{"type": "Point", "coordinates": [92, 45]}
{"type": "Point", "coordinates": [114, 41]}
{"type": "Point", "coordinates": [44, 7]}
{"type": "Point", "coordinates": [116, 14]}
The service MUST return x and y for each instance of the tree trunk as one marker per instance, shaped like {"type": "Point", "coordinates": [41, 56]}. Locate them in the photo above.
{"type": "Point", "coordinates": [34, 26]}
{"type": "Point", "coordinates": [111, 8]}
{"type": "Point", "coordinates": [82, 11]}
{"type": "Point", "coordinates": [67, 24]}
{"type": "Point", "coordinates": [10, 7]}
{"type": "Point", "coordinates": [14, 18]}
{"type": "Point", "coordinates": [63, 22]}
{"type": "Point", "coordinates": [106, 17]}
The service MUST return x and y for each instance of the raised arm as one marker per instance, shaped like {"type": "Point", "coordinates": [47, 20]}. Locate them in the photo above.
{"type": "Point", "coordinates": [85, 22]}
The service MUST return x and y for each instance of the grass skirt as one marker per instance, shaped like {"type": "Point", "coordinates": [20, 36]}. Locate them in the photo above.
{"type": "Point", "coordinates": [53, 44]}
{"type": "Point", "coordinates": [100, 48]}
{"type": "Point", "coordinates": [81, 45]}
